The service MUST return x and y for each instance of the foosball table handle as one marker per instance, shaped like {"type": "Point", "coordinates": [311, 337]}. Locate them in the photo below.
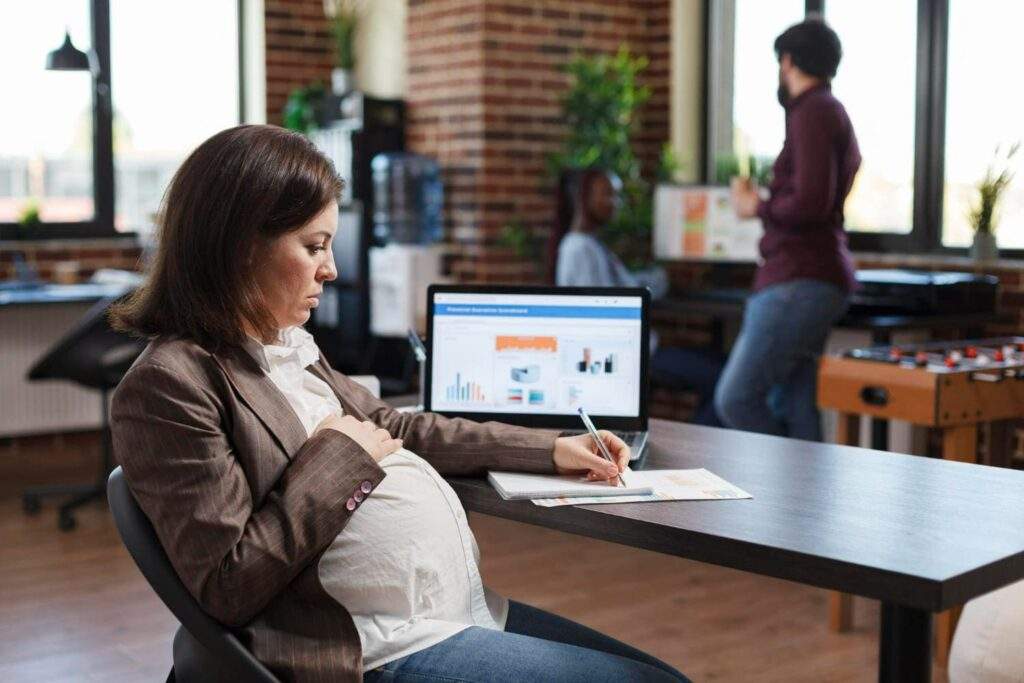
{"type": "Point", "coordinates": [875, 396]}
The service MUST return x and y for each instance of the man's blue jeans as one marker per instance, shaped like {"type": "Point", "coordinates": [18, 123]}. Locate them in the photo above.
{"type": "Point", "coordinates": [535, 646]}
{"type": "Point", "coordinates": [770, 380]}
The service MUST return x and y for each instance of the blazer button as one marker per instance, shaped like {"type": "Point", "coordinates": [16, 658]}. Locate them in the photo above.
{"type": "Point", "coordinates": [350, 504]}
{"type": "Point", "coordinates": [359, 496]}
{"type": "Point", "coordinates": [366, 486]}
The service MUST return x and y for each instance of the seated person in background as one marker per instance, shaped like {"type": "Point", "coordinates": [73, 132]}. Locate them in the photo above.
{"type": "Point", "coordinates": [587, 200]}
{"type": "Point", "coordinates": [296, 507]}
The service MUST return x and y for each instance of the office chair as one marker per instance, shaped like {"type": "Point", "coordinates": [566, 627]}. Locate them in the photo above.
{"type": "Point", "coordinates": [204, 650]}
{"type": "Point", "coordinates": [92, 355]}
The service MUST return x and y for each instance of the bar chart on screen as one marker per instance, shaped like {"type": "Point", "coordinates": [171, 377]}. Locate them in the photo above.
{"type": "Point", "coordinates": [465, 391]}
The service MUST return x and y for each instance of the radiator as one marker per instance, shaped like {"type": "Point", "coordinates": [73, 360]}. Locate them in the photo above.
{"type": "Point", "coordinates": [26, 333]}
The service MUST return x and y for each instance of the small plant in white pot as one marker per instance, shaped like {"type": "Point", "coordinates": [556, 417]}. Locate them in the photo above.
{"type": "Point", "coordinates": [982, 213]}
{"type": "Point", "coordinates": [344, 16]}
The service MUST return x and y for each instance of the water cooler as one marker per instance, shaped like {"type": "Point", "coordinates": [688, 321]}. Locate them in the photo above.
{"type": "Point", "coordinates": [407, 226]}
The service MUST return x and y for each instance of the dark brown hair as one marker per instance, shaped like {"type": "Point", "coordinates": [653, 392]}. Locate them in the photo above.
{"type": "Point", "coordinates": [573, 193]}
{"type": "Point", "coordinates": [237, 191]}
{"type": "Point", "coordinates": [813, 46]}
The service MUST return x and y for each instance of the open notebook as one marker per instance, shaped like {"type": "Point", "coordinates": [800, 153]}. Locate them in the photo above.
{"type": "Point", "coordinates": [522, 486]}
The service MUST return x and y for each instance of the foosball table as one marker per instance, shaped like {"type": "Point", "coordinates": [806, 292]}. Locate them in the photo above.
{"type": "Point", "coordinates": [951, 386]}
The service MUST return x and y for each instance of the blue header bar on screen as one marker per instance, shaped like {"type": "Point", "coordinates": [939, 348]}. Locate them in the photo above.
{"type": "Point", "coordinates": [531, 311]}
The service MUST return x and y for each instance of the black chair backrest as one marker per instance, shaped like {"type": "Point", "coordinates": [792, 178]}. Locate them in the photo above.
{"type": "Point", "coordinates": [92, 353]}
{"type": "Point", "coordinates": [139, 537]}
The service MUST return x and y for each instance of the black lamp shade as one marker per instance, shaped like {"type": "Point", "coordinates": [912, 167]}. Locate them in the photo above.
{"type": "Point", "coordinates": [67, 57]}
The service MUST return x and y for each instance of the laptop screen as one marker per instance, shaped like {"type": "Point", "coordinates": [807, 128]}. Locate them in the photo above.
{"type": "Point", "coordinates": [536, 352]}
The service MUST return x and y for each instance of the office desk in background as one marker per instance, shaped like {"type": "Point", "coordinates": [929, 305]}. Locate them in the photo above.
{"type": "Point", "coordinates": [725, 305]}
{"type": "Point", "coordinates": [32, 319]}
{"type": "Point", "coordinates": [920, 535]}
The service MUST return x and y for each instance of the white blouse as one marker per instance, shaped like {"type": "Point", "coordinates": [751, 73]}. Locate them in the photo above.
{"type": "Point", "coordinates": [406, 566]}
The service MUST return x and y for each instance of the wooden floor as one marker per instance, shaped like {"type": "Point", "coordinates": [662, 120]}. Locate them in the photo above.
{"type": "Point", "coordinates": [73, 607]}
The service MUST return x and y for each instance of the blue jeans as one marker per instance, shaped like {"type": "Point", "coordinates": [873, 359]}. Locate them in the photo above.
{"type": "Point", "coordinates": [769, 384]}
{"type": "Point", "coordinates": [535, 646]}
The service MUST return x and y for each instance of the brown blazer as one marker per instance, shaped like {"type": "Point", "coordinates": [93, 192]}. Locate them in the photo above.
{"type": "Point", "coordinates": [245, 504]}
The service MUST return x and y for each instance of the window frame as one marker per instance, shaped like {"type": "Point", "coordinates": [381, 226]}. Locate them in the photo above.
{"type": "Point", "coordinates": [102, 223]}
{"type": "Point", "coordinates": [925, 236]}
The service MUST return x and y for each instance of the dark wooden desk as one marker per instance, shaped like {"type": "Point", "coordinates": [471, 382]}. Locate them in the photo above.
{"type": "Point", "coordinates": [920, 535]}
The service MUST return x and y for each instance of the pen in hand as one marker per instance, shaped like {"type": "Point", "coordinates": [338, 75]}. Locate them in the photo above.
{"type": "Point", "coordinates": [601, 448]}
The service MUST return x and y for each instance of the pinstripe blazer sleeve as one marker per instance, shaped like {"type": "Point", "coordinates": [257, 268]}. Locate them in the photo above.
{"type": "Point", "coordinates": [456, 446]}
{"type": "Point", "coordinates": [170, 437]}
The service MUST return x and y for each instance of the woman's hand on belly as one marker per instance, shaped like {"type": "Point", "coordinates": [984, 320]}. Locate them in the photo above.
{"type": "Point", "coordinates": [374, 440]}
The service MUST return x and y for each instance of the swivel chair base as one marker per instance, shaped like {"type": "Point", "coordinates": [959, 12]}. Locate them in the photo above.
{"type": "Point", "coordinates": [31, 499]}
{"type": "Point", "coordinates": [80, 495]}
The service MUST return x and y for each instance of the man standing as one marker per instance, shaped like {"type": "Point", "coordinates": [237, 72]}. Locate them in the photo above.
{"type": "Point", "coordinates": [803, 284]}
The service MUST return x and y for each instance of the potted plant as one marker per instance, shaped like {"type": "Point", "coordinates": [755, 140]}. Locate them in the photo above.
{"type": "Point", "coordinates": [300, 110]}
{"type": "Point", "coordinates": [601, 109]}
{"type": "Point", "coordinates": [344, 16]}
{"type": "Point", "coordinates": [28, 217]}
{"type": "Point", "coordinates": [982, 214]}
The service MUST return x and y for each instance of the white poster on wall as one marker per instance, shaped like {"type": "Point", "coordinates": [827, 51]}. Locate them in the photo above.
{"type": "Point", "coordinates": [699, 221]}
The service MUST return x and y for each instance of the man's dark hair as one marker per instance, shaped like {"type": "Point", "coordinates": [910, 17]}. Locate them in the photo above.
{"type": "Point", "coordinates": [813, 46]}
{"type": "Point", "coordinates": [230, 198]}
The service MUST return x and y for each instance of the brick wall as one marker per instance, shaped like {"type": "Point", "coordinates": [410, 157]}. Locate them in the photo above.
{"type": "Point", "coordinates": [299, 49]}
{"type": "Point", "coordinates": [483, 92]}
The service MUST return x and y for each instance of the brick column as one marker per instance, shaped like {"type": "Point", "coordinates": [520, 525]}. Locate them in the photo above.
{"type": "Point", "coordinates": [299, 49]}
{"type": "Point", "coordinates": [483, 92]}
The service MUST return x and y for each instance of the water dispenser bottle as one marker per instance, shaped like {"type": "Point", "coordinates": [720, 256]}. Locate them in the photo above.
{"type": "Point", "coordinates": [407, 199]}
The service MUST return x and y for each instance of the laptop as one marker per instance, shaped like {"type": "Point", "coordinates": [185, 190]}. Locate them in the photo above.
{"type": "Point", "coordinates": [532, 356]}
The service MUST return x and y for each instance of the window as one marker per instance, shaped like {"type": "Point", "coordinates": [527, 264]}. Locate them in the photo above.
{"type": "Point", "coordinates": [876, 86]}
{"type": "Point", "coordinates": [174, 79]}
{"type": "Point", "coordinates": [757, 118]}
{"type": "Point", "coordinates": [46, 155]}
{"type": "Point", "coordinates": [983, 110]}
{"type": "Point", "coordinates": [745, 118]}
{"type": "Point", "coordinates": [928, 86]}
{"type": "Point", "coordinates": [169, 94]}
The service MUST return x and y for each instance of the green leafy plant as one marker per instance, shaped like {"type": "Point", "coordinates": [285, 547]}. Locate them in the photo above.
{"type": "Point", "coordinates": [727, 166]}
{"type": "Point", "coordinates": [300, 109]}
{"type": "Point", "coordinates": [600, 110]}
{"type": "Point", "coordinates": [668, 164]}
{"type": "Point", "coordinates": [344, 16]}
{"type": "Point", "coordinates": [982, 213]}
{"type": "Point", "coordinates": [28, 217]}
{"type": "Point", "coordinates": [521, 240]}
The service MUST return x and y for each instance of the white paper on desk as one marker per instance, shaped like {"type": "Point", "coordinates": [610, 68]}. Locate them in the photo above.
{"type": "Point", "coordinates": [696, 484]}
{"type": "Point", "coordinates": [526, 486]}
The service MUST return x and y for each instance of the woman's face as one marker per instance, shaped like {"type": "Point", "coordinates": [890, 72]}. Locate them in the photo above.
{"type": "Point", "coordinates": [601, 199]}
{"type": "Point", "coordinates": [295, 267]}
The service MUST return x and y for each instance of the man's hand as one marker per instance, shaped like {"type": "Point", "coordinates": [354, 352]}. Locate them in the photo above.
{"type": "Point", "coordinates": [744, 197]}
{"type": "Point", "coordinates": [374, 440]}
{"type": "Point", "coordinates": [580, 454]}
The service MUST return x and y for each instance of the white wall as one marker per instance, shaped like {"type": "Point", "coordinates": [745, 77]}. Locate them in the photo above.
{"type": "Point", "coordinates": [254, 63]}
{"type": "Point", "coordinates": [686, 86]}
{"type": "Point", "coordinates": [380, 49]}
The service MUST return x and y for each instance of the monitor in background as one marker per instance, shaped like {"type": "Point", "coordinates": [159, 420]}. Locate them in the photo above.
{"type": "Point", "coordinates": [533, 355]}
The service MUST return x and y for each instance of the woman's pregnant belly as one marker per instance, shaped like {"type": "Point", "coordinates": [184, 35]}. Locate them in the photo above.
{"type": "Point", "coordinates": [403, 555]}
